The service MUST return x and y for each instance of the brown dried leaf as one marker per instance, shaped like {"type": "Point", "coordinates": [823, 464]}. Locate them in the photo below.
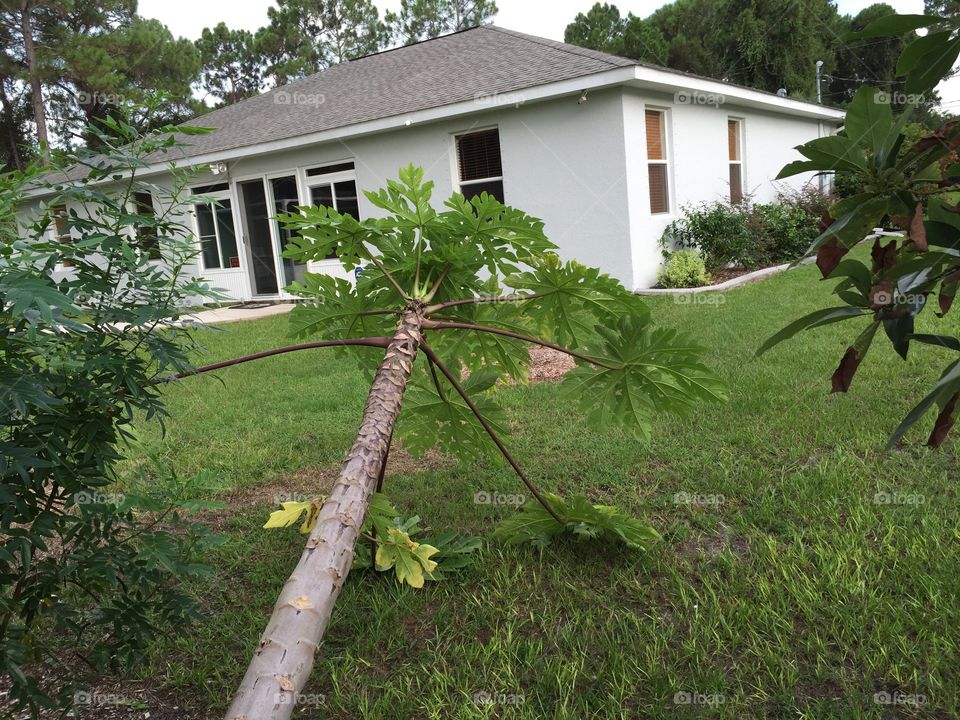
{"type": "Point", "coordinates": [918, 234]}
{"type": "Point", "coordinates": [881, 295]}
{"type": "Point", "coordinates": [844, 373]}
{"type": "Point", "coordinates": [884, 256]}
{"type": "Point", "coordinates": [829, 256]}
{"type": "Point", "coordinates": [945, 421]}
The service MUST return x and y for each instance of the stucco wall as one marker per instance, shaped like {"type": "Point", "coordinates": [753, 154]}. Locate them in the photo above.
{"type": "Point", "coordinates": [699, 161]}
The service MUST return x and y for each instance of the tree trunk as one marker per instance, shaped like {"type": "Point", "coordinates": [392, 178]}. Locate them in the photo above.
{"type": "Point", "coordinates": [283, 659]}
{"type": "Point", "coordinates": [36, 89]}
{"type": "Point", "coordinates": [11, 123]}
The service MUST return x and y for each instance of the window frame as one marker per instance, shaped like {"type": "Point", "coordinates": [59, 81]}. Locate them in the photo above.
{"type": "Point", "coordinates": [740, 136]}
{"type": "Point", "coordinates": [309, 182]}
{"type": "Point", "coordinates": [665, 162]}
{"type": "Point", "coordinates": [215, 197]}
{"type": "Point", "coordinates": [64, 236]}
{"type": "Point", "coordinates": [152, 247]}
{"type": "Point", "coordinates": [455, 160]}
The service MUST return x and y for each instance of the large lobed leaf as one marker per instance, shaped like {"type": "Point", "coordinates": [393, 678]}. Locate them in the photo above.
{"type": "Point", "coordinates": [650, 371]}
{"type": "Point", "coordinates": [533, 524]}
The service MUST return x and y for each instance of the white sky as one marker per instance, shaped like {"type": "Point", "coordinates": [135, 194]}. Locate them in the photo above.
{"type": "Point", "coordinates": [546, 18]}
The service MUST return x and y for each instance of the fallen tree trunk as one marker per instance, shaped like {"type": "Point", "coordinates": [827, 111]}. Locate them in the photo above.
{"type": "Point", "coordinates": [284, 658]}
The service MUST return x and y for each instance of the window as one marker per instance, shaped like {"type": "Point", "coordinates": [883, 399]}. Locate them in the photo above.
{"type": "Point", "coordinates": [215, 230]}
{"type": "Point", "coordinates": [657, 171]}
{"type": "Point", "coordinates": [142, 204]}
{"type": "Point", "coordinates": [60, 229]}
{"type": "Point", "coordinates": [735, 151]}
{"type": "Point", "coordinates": [335, 186]}
{"type": "Point", "coordinates": [478, 161]}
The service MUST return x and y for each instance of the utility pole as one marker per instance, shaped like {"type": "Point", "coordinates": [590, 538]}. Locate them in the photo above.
{"type": "Point", "coordinates": [819, 68]}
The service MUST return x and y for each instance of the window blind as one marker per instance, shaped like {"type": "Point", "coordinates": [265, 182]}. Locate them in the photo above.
{"type": "Point", "coordinates": [655, 149]}
{"type": "Point", "coordinates": [479, 155]}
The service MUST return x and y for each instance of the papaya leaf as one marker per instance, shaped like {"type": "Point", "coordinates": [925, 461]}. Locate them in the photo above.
{"type": "Point", "coordinates": [644, 371]}
{"type": "Point", "coordinates": [533, 524]}
{"type": "Point", "coordinates": [410, 560]}
{"type": "Point", "coordinates": [291, 513]}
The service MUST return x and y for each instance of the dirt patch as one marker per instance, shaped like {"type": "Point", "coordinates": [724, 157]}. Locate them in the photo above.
{"type": "Point", "coordinates": [116, 699]}
{"type": "Point", "coordinates": [712, 546]}
{"type": "Point", "coordinates": [548, 365]}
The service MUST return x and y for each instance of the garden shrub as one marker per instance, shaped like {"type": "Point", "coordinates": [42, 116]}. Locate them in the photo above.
{"type": "Point", "coordinates": [683, 269]}
{"type": "Point", "coordinates": [748, 235]}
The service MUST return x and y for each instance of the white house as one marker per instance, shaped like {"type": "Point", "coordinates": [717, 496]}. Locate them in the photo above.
{"type": "Point", "coordinates": [604, 149]}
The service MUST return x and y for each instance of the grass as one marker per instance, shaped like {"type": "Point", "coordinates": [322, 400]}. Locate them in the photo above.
{"type": "Point", "coordinates": [787, 593]}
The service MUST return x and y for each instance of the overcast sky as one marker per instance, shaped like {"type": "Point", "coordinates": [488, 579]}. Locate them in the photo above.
{"type": "Point", "coordinates": [546, 18]}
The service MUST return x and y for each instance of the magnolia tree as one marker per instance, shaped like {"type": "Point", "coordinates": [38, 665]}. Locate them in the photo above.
{"type": "Point", "coordinates": [443, 310]}
{"type": "Point", "coordinates": [913, 187]}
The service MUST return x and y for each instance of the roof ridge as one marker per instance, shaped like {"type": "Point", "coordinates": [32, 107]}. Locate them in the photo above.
{"type": "Point", "coordinates": [561, 46]}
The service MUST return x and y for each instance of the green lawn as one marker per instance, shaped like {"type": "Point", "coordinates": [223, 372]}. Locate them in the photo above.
{"type": "Point", "coordinates": [794, 595]}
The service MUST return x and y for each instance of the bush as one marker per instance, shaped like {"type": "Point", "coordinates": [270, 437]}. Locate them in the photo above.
{"type": "Point", "coordinates": [683, 269]}
{"type": "Point", "coordinates": [749, 235]}
{"type": "Point", "coordinates": [89, 576]}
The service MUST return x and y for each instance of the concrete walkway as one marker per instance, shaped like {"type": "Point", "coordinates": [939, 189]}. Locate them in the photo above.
{"type": "Point", "coordinates": [234, 313]}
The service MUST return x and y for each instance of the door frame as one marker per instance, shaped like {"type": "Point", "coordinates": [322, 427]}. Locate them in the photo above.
{"type": "Point", "coordinates": [264, 178]}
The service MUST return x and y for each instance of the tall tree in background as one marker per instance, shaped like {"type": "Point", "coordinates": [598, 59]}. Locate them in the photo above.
{"type": "Point", "coordinates": [306, 36]}
{"type": "Point", "coordinates": [230, 68]}
{"type": "Point", "coordinates": [766, 44]}
{"type": "Point", "coordinates": [424, 19]}
{"type": "Point", "coordinates": [81, 59]}
{"type": "Point", "coordinates": [602, 28]}
{"type": "Point", "coordinates": [866, 61]}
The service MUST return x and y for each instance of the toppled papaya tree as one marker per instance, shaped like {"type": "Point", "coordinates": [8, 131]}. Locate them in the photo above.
{"type": "Point", "coordinates": [913, 187]}
{"type": "Point", "coordinates": [441, 295]}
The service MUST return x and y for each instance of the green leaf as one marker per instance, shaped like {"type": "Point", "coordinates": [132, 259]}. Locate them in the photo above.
{"type": "Point", "coordinates": [433, 419]}
{"type": "Point", "coordinates": [868, 121]}
{"type": "Point", "coordinates": [835, 152]}
{"type": "Point", "coordinates": [912, 54]}
{"type": "Point", "coordinates": [533, 524]}
{"type": "Point", "coordinates": [932, 67]}
{"type": "Point", "coordinates": [947, 385]}
{"type": "Point", "coordinates": [644, 371]}
{"type": "Point", "coordinates": [799, 166]}
{"type": "Point", "coordinates": [854, 225]}
{"type": "Point", "coordinates": [320, 231]}
{"type": "Point", "coordinates": [572, 299]}
{"type": "Point", "coordinates": [814, 319]}
{"type": "Point", "coordinates": [336, 310]}
{"type": "Point", "coordinates": [946, 341]}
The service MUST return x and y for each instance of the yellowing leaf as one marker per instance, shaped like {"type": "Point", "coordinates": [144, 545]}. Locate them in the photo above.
{"type": "Point", "coordinates": [409, 559]}
{"type": "Point", "coordinates": [291, 513]}
{"type": "Point", "coordinates": [288, 516]}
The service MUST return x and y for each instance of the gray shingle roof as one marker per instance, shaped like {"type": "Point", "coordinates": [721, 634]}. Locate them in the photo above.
{"type": "Point", "coordinates": [483, 61]}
